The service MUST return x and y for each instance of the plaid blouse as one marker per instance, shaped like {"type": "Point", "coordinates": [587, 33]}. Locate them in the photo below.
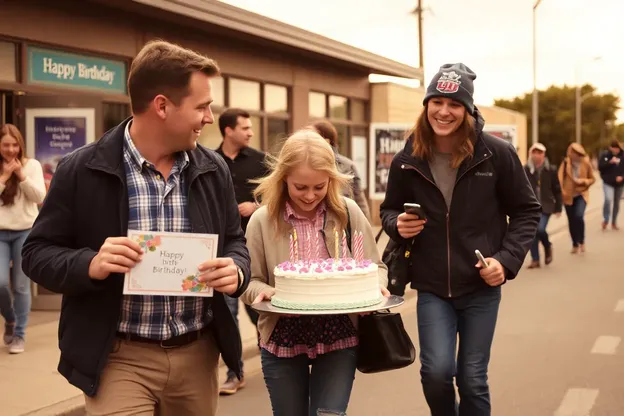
{"type": "Point", "coordinates": [310, 335]}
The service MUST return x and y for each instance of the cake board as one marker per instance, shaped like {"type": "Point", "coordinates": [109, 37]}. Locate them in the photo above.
{"type": "Point", "coordinates": [386, 303]}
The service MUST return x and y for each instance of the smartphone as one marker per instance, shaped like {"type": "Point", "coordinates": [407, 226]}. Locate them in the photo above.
{"type": "Point", "coordinates": [415, 209]}
{"type": "Point", "coordinates": [480, 257]}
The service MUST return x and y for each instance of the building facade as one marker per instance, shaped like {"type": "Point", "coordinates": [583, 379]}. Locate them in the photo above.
{"type": "Point", "coordinates": [64, 66]}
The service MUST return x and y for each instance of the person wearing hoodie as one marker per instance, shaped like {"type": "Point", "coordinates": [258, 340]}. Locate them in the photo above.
{"type": "Point", "coordinates": [467, 183]}
{"type": "Point", "coordinates": [611, 167]}
{"type": "Point", "coordinates": [576, 175]}
{"type": "Point", "coordinates": [543, 178]}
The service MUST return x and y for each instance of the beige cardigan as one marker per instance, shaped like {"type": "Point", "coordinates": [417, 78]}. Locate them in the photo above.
{"type": "Point", "coordinates": [267, 252]}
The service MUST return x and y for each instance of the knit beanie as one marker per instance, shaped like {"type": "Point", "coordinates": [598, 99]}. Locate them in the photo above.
{"type": "Point", "coordinates": [454, 81]}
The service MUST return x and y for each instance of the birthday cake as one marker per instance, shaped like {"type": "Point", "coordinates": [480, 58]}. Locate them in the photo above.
{"type": "Point", "coordinates": [343, 283]}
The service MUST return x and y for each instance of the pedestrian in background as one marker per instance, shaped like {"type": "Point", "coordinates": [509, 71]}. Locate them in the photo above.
{"type": "Point", "coordinates": [543, 178]}
{"type": "Point", "coordinates": [303, 192]}
{"type": "Point", "coordinates": [245, 164]}
{"type": "Point", "coordinates": [467, 183]}
{"type": "Point", "coordinates": [21, 190]}
{"type": "Point", "coordinates": [576, 175]}
{"type": "Point", "coordinates": [345, 165]}
{"type": "Point", "coordinates": [611, 166]}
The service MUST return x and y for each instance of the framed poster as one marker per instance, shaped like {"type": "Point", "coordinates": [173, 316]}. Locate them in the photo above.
{"type": "Point", "coordinates": [386, 140]}
{"type": "Point", "coordinates": [52, 133]}
{"type": "Point", "coordinates": [507, 132]}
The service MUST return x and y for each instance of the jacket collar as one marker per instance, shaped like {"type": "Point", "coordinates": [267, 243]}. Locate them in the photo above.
{"type": "Point", "coordinates": [108, 155]}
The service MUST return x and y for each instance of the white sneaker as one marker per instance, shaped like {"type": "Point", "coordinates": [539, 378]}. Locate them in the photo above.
{"type": "Point", "coordinates": [17, 346]}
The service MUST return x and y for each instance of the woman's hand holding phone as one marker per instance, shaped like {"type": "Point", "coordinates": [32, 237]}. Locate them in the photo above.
{"type": "Point", "coordinates": [409, 225]}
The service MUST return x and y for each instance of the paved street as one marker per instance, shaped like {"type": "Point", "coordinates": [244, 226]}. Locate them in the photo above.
{"type": "Point", "coordinates": [556, 350]}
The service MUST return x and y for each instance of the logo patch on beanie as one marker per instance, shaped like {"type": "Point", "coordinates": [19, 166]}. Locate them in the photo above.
{"type": "Point", "coordinates": [449, 82]}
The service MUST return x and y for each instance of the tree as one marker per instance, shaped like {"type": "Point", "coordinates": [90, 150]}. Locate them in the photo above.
{"type": "Point", "coordinates": [557, 118]}
{"type": "Point", "coordinates": [618, 132]}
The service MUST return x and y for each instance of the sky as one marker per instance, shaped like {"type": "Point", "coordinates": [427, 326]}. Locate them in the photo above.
{"type": "Point", "coordinates": [493, 37]}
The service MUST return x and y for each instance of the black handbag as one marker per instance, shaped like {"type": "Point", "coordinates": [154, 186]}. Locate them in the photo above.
{"type": "Point", "coordinates": [384, 344]}
{"type": "Point", "coordinates": [397, 257]}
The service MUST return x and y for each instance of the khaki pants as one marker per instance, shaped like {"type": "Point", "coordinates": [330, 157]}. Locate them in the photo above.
{"type": "Point", "coordinates": [146, 379]}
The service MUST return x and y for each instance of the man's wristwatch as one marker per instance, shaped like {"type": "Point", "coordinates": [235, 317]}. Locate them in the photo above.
{"type": "Point", "coordinates": [241, 277]}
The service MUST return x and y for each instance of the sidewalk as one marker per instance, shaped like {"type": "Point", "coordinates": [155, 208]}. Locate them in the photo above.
{"type": "Point", "coordinates": [30, 385]}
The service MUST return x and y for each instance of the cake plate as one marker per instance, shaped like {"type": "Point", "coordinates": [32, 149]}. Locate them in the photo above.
{"type": "Point", "coordinates": [386, 303]}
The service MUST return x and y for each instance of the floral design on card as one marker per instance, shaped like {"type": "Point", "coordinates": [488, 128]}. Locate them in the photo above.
{"type": "Point", "coordinates": [148, 242]}
{"type": "Point", "coordinates": [192, 284]}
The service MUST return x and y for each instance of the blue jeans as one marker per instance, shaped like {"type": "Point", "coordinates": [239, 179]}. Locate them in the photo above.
{"type": "Point", "coordinates": [294, 390]}
{"type": "Point", "coordinates": [440, 320]}
{"type": "Point", "coordinates": [541, 236]}
{"type": "Point", "coordinates": [576, 220]}
{"type": "Point", "coordinates": [11, 243]}
{"type": "Point", "coordinates": [612, 196]}
{"type": "Point", "coordinates": [232, 304]}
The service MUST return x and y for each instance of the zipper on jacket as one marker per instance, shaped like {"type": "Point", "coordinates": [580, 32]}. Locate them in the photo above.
{"type": "Point", "coordinates": [448, 215]}
{"type": "Point", "coordinates": [448, 230]}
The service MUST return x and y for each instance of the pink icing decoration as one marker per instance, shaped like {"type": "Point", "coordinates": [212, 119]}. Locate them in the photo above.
{"type": "Point", "coordinates": [318, 270]}
{"type": "Point", "coordinates": [304, 270]}
{"type": "Point", "coordinates": [349, 267]}
{"type": "Point", "coordinates": [341, 269]}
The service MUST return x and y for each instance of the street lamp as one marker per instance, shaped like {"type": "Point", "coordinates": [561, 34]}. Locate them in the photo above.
{"type": "Point", "coordinates": [535, 135]}
{"type": "Point", "coordinates": [579, 99]}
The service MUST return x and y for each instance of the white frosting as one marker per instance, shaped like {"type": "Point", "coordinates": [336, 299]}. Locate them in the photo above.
{"type": "Point", "coordinates": [327, 284]}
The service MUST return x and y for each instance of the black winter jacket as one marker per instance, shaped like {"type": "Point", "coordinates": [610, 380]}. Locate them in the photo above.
{"type": "Point", "coordinates": [87, 203]}
{"type": "Point", "coordinates": [489, 187]}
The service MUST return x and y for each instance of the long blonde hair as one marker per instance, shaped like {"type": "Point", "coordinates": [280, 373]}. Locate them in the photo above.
{"type": "Point", "coordinates": [424, 139]}
{"type": "Point", "coordinates": [303, 148]}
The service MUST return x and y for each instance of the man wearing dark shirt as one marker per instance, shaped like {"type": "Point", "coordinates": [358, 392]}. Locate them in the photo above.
{"type": "Point", "coordinates": [245, 164]}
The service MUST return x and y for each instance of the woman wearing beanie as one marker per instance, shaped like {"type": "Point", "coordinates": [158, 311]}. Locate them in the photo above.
{"type": "Point", "coordinates": [467, 182]}
{"type": "Point", "coordinates": [576, 176]}
{"type": "Point", "coordinates": [21, 189]}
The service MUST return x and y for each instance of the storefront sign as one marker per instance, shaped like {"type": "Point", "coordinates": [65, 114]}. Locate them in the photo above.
{"type": "Point", "coordinates": [386, 141]}
{"type": "Point", "coordinates": [62, 69]}
{"type": "Point", "coordinates": [54, 133]}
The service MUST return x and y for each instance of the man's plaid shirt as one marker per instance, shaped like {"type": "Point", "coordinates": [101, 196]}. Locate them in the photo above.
{"type": "Point", "coordinates": [157, 205]}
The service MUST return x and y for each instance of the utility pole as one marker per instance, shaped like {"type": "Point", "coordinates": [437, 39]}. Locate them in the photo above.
{"type": "Point", "coordinates": [535, 114]}
{"type": "Point", "coordinates": [418, 12]}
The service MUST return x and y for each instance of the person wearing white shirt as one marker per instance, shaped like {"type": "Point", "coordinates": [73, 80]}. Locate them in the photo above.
{"type": "Point", "coordinates": [21, 189]}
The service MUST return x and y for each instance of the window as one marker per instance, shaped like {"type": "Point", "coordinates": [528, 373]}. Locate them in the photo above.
{"type": "Point", "coordinates": [256, 127]}
{"type": "Point", "coordinates": [275, 99]}
{"type": "Point", "coordinates": [278, 132]}
{"type": "Point", "coordinates": [218, 92]}
{"type": "Point", "coordinates": [210, 136]}
{"type": "Point", "coordinates": [358, 111]}
{"type": "Point", "coordinates": [317, 105]}
{"type": "Point", "coordinates": [7, 62]}
{"type": "Point", "coordinates": [343, 138]}
{"type": "Point", "coordinates": [114, 114]}
{"type": "Point", "coordinates": [244, 94]}
{"type": "Point", "coordinates": [338, 107]}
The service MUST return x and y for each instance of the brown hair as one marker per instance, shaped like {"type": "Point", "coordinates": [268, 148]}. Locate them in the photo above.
{"type": "Point", "coordinates": [12, 185]}
{"type": "Point", "coordinates": [164, 68]}
{"type": "Point", "coordinates": [229, 118]}
{"type": "Point", "coordinates": [327, 131]}
{"type": "Point", "coordinates": [424, 139]}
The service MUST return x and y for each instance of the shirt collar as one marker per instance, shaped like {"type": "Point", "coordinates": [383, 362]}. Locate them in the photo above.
{"type": "Point", "coordinates": [289, 212]}
{"type": "Point", "coordinates": [182, 159]}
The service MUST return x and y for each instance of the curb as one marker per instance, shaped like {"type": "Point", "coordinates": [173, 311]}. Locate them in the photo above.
{"type": "Point", "coordinates": [74, 406]}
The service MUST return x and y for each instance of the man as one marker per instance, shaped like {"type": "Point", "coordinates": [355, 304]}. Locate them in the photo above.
{"type": "Point", "coordinates": [245, 163]}
{"type": "Point", "coordinates": [611, 166]}
{"type": "Point", "coordinates": [344, 164]}
{"type": "Point", "coordinates": [543, 178]}
{"type": "Point", "coordinates": [134, 354]}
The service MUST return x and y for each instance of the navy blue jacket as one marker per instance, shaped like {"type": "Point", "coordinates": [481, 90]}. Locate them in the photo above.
{"type": "Point", "coordinates": [87, 203]}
